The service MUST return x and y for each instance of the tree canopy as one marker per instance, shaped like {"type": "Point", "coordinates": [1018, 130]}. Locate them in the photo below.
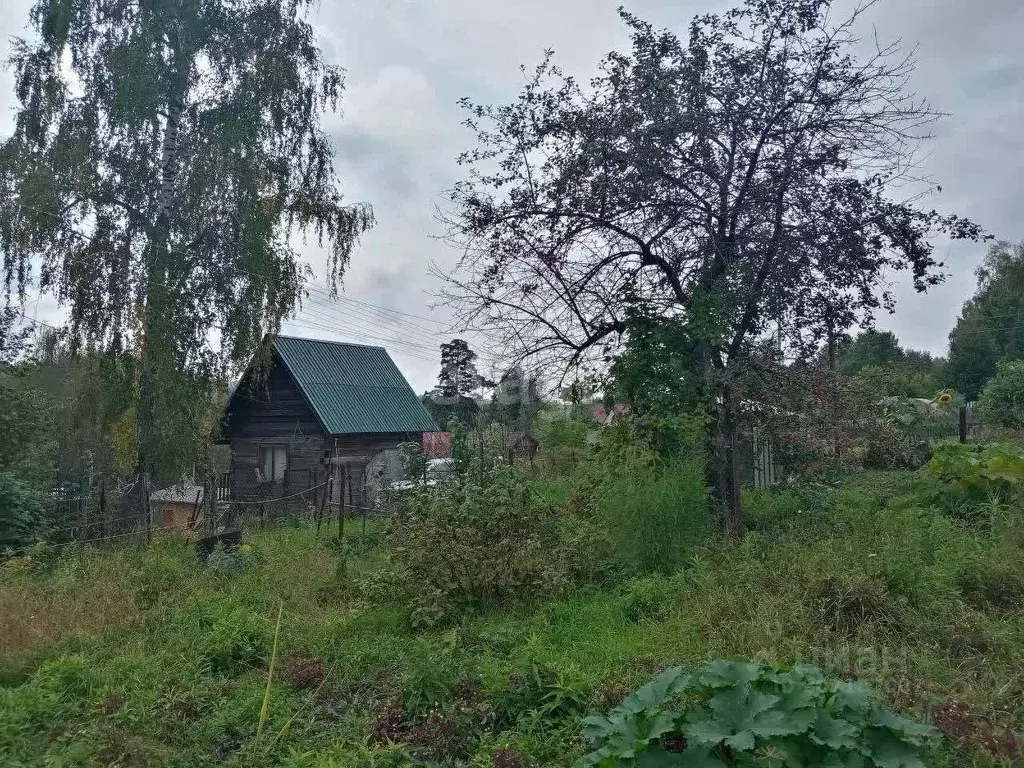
{"type": "Point", "coordinates": [991, 324]}
{"type": "Point", "coordinates": [457, 382]}
{"type": "Point", "coordinates": [458, 375]}
{"type": "Point", "coordinates": [886, 369]}
{"type": "Point", "coordinates": [516, 400]}
{"type": "Point", "coordinates": [874, 348]}
{"type": "Point", "coordinates": [163, 157]}
{"type": "Point", "coordinates": [737, 182]}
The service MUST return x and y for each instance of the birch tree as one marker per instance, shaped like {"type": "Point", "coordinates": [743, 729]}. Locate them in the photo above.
{"type": "Point", "coordinates": [165, 156]}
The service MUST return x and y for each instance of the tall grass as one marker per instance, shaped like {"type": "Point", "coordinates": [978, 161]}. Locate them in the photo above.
{"type": "Point", "coordinates": [35, 614]}
{"type": "Point", "coordinates": [656, 510]}
{"type": "Point", "coordinates": [177, 669]}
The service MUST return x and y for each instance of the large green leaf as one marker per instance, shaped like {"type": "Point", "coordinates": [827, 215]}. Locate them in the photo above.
{"type": "Point", "coordinates": [598, 727]}
{"type": "Point", "coordinates": [910, 730]}
{"type": "Point", "coordinates": [797, 697]}
{"type": "Point", "coordinates": [657, 757]}
{"type": "Point", "coordinates": [808, 674]}
{"type": "Point", "coordinates": [598, 757]}
{"type": "Point", "coordinates": [843, 760]}
{"type": "Point", "coordinates": [637, 731]}
{"type": "Point", "coordinates": [755, 717]}
{"type": "Point", "coordinates": [834, 733]}
{"type": "Point", "coordinates": [701, 757]}
{"type": "Point", "coordinates": [737, 717]}
{"type": "Point", "coordinates": [726, 674]}
{"type": "Point", "coordinates": [702, 727]}
{"type": "Point", "coordinates": [852, 697]}
{"type": "Point", "coordinates": [890, 751]}
{"type": "Point", "coordinates": [669, 683]}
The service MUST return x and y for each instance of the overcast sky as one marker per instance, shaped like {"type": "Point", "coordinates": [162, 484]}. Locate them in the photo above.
{"type": "Point", "coordinates": [408, 61]}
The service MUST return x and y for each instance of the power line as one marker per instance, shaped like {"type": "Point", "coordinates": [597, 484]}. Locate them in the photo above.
{"type": "Point", "coordinates": [313, 286]}
{"type": "Point", "coordinates": [331, 305]}
{"type": "Point", "coordinates": [334, 312]}
{"type": "Point", "coordinates": [407, 352]}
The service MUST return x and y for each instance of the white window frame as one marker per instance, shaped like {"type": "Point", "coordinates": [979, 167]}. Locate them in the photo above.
{"type": "Point", "coordinates": [273, 462]}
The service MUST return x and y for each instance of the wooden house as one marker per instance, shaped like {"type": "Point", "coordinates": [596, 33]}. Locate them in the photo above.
{"type": "Point", "coordinates": [314, 417]}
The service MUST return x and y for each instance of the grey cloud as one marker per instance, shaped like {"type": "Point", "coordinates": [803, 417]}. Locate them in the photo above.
{"type": "Point", "coordinates": [408, 61]}
{"type": "Point", "coordinates": [379, 166]}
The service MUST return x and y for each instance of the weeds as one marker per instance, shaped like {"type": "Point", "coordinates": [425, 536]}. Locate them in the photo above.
{"type": "Point", "coordinates": [655, 512]}
{"type": "Point", "coordinates": [38, 614]}
{"type": "Point", "coordinates": [145, 658]}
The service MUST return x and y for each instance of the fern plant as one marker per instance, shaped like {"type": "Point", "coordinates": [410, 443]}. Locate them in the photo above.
{"type": "Point", "coordinates": [733, 713]}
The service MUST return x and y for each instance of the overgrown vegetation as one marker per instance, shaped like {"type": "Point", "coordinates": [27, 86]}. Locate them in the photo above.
{"type": "Point", "coordinates": [648, 489]}
{"type": "Point", "coordinates": [482, 538]}
{"type": "Point", "coordinates": [1002, 400]}
{"type": "Point", "coordinates": [144, 657]}
{"type": "Point", "coordinates": [676, 234]}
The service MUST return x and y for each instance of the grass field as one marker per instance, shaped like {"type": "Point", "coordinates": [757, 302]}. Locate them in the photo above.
{"type": "Point", "coordinates": [149, 657]}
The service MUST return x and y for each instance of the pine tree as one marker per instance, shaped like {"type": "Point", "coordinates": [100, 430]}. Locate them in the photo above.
{"type": "Point", "coordinates": [459, 376]}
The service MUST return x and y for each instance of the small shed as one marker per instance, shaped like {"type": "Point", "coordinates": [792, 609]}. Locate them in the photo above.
{"type": "Point", "coordinates": [315, 417]}
{"type": "Point", "coordinates": [177, 508]}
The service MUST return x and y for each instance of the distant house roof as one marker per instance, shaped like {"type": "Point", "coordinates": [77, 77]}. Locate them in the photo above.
{"type": "Point", "coordinates": [437, 445]}
{"type": "Point", "coordinates": [605, 416]}
{"type": "Point", "coordinates": [179, 494]}
{"type": "Point", "coordinates": [353, 389]}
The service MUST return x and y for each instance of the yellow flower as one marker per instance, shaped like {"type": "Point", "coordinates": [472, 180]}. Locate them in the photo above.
{"type": "Point", "coordinates": [945, 397]}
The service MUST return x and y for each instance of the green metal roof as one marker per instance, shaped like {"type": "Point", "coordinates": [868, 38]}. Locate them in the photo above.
{"type": "Point", "coordinates": [353, 389]}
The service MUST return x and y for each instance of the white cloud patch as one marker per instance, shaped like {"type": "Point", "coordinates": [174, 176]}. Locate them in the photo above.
{"type": "Point", "coordinates": [399, 104]}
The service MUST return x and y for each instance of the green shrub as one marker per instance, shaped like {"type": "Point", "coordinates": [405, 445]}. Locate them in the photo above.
{"type": "Point", "coordinates": [535, 690]}
{"type": "Point", "coordinates": [975, 474]}
{"type": "Point", "coordinates": [481, 538]}
{"type": "Point", "coordinates": [898, 381]}
{"type": "Point", "coordinates": [23, 517]}
{"type": "Point", "coordinates": [562, 443]}
{"type": "Point", "coordinates": [69, 676]}
{"type": "Point", "coordinates": [890, 446]}
{"type": "Point", "coordinates": [1001, 402]}
{"type": "Point", "coordinates": [646, 598]}
{"type": "Point", "coordinates": [237, 640]}
{"type": "Point", "coordinates": [586, 553]}
{"type": "Point", "coordinates": [733, 713]}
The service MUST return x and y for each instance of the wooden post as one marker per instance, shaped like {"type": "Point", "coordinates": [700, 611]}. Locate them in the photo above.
{"type": "Point", "coordinates": [148, 508]}
{"type": "Point", "coordinates": [962, 413]}
{"type": "Point", "coordinates": [102, 523]}
{"type": "Point", "coordinates": [362, 501]}
{"type": "Point", "coordinates": [325, 492]}
{"type": "Point", "coordinates": [211, 507]}
{"type": "Point", "coordinates": [83, 506]}
{"type": "Point", "coordinates": [341, 507]}
{"type": "Point", "coordinates": [198, 505]}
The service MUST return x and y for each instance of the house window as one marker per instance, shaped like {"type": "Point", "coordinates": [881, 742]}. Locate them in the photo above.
{"type": "Point", "coordinates": [273, 463]}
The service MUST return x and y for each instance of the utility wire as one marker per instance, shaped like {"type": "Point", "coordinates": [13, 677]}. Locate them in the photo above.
{"type": "Point", "coordinates": [334, 299]}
